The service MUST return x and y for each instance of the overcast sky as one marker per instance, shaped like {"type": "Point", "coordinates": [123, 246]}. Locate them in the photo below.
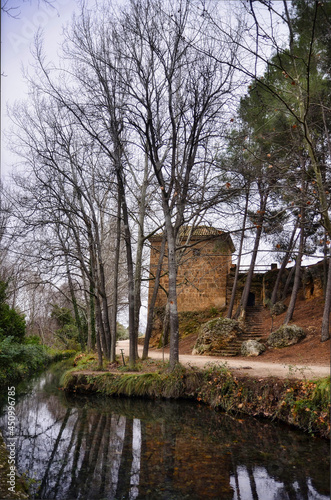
{"type": "Point", "coordinates": [17, 36]}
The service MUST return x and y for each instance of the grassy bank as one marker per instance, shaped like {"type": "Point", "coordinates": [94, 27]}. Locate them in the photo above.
{"type": "Point", "coordinates": [302, 403]}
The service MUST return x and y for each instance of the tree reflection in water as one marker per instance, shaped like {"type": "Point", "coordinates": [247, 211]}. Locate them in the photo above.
{"type": "Point", "coordinates": [94, 448]}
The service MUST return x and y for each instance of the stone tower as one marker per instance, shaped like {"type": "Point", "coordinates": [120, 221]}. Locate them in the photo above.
{"type": "Point", "coordinates": [204, 261]}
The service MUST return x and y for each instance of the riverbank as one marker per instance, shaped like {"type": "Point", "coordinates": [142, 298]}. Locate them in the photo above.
{"type": "Point", "coordinates": [18, 488]}
{"type": "Point", "coordinates": [304, 404]}
{"type": "Point", "coordinates": [20, 362]}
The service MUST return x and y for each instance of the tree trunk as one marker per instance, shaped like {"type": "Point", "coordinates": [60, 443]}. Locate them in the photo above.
{"type": "Point", "coordinates": [235, 282]}
{"type": "Point", "coordinates": [288, 282]}
{"type": "Point", "coordinates": [92, 311]}
{"type": "Point", "coordinates": [327, 307]}
{"type": "Point", "coordinates": [101, 332]}
{"type": "Point", "coordinates": [99, 350]}
{"type": "Point", "coordinates": [297, 276]}
{"type": "Point", "coordinates": [172, 297]}
{"type": "Point", "coordinates": [75, 305]}
{"type": "Point", "coordinates": [129, 260]}
{"type": "Point", "coordinates": [149, 326]}
{"type": "Point", "coordinates": [166, 327]}
{"type": "Point", "coordinates": [283, 266]}
{"type": "Point", "coordinates": [245, 295]}
{"type": "Point", "coordinates": [140, 245]}
{"type": "Point", "coordinates": [88, 322]}
{"type": "Point", "coordinates": [104, 309]}
{"type": "Point", "coordinates": [115, 279]}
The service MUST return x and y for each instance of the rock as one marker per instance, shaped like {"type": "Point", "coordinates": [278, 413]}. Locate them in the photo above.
{"type": "Point", "coordinates": [285, 336]}
{"type": "Point", "coordinates": [252, 348]}
{"type": "Point", "coordinates": [216, 335]}
{"type": "Point", "coordinates": [278, 308]}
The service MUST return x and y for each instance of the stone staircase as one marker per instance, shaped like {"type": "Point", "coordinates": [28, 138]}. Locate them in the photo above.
{"type": "Point", "coordinates": [254, 322]}
{"type": "Point", "coordinates": [253, 331]}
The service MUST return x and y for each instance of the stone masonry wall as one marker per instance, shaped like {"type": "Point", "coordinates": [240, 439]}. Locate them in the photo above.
{"type": "Point", "coordinates": [202, 275]}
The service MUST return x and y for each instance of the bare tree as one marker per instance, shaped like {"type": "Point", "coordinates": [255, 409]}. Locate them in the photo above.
{"type": "Point", "coordinates": [66, 194]}
{"type": "Point", "coordinates": [177, 97]}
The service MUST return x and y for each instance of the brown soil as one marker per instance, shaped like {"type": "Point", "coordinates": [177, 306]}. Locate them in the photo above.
{"type": "Point", "coordinates": [310, 351]}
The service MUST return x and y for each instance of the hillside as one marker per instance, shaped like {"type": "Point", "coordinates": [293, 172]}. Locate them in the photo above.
{"type": "Point", "coordinates": [308, 315]}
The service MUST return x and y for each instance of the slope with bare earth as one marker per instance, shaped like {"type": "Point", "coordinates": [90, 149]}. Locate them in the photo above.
{"type": "Point", "coordinates": [310, 351]}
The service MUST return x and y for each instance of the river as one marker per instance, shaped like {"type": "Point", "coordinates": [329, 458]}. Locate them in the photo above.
{"type": "Point", "coordinates": [93, 448]}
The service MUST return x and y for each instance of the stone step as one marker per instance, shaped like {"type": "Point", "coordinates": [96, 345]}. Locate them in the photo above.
{"type": "Point", "coordinates": [234, 348]}
{"type": "Point", "coordinates": [228, 354]}
{"type": "Point", "coordinates": [225, 353]}
{"type": "Point", "coordinates": [253, 331]}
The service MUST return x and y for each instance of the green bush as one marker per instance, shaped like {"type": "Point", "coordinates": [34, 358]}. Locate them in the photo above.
{"type": "Point", "coordinates": [122, 332]}
{"type": "Point", "coordinates": [10, 352]}
{"type": "Point", "coordinates": [18, 360]}
{"type": "Point", "coordinates": [12, 324]}
{"type": "Point", "coordinates": [32, 340]}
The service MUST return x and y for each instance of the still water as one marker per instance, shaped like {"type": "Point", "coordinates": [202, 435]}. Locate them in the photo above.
{"type": "Point", "coordinates": [79, 448]}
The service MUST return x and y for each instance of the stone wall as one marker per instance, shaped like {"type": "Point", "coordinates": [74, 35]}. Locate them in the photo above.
{"type": "Point", "coordinates": [256, 290]}
{"type": "Point", "coordinates": [202, 272]}
{"type": "Point", "coordinates": [205, 274]}
{"type": "Point", "coordinates": [312, 281]}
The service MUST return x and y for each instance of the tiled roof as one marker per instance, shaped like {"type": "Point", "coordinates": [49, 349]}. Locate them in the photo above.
{"type": "Point", "coordinates": [199, 231]}
{"type": "Point", "coordinates": [184, 231]}
{"type": "Point", "coordinates": [203, 232]}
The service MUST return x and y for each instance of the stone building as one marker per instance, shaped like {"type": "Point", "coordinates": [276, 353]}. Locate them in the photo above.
{"type": "Point", "coordinates": [204, 262]}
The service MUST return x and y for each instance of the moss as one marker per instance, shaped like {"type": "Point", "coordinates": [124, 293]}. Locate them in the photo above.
{"type": "Point", "coordinates": [216, 335]}
{"type": "Point", "coordinates": [285, 336]}
{"type": "Point", "coordinates": [278, 308]}
{"type": "Point", "coordinates": [189, 322]}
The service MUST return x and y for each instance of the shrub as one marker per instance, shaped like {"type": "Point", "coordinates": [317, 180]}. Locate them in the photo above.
{"type": "Point", "coordinates": [32, 340]}
{"type": "Point", "coordinates": [12, 323]}
{"type": "Point", "coordinates": [122, 332]}
{"type": "Point", "coordinates": [10, 351]}
{"type": "Point", "coordinates": [18, 360]}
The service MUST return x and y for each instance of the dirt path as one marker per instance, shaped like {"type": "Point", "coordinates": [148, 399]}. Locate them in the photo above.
{"type": "Point", "coordinates": [249, 367]}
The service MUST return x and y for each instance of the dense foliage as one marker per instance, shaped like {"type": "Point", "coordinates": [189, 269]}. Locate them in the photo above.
{"type": "Point", "coordinates": [21, 360]}
{"type": "Point", "coordinates": [20, 356]}
{"type": "Point", "coordinates": [12, 323]}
